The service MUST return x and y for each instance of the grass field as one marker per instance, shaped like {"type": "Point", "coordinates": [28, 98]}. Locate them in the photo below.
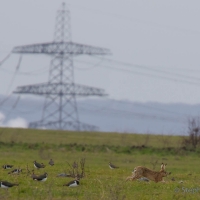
{"type": "Point", "coordinates": [20, 147]}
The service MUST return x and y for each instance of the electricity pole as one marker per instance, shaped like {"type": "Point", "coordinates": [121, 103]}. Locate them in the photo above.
{"type": "Point", "coordinates": [60, 92]}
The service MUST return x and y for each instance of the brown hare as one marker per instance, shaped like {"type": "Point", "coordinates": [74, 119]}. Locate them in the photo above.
{"type": "Point", "coordinates": [148, 173]}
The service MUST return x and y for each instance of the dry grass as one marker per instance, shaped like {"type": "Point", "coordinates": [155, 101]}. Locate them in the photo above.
{"type": "Point", "coordinates": [95, 138]}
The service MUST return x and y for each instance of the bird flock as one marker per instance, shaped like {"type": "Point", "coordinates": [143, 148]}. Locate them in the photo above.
{"type": "Point", "coordinates": [42, 177]}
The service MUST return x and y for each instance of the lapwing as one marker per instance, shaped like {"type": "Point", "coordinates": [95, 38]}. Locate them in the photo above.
{"type": "Point", "coordinates": [15, 171]}
{"type": "Point", "coordinates": [112, 166]}
{"type": "Point", "coordinates": [173, 179]}
{"type": "Point", "coordinates": [73, 183]}
{"type": "Point", "coordinates": [180, 181]}
{"type": "Point", "coordinates": [43, 165]}
{"type": "Point", "coordinates": [42, 177]}
{"type": "Point", "coordinates": [33, 175]}
{"type": "Point", "coordinates": [51, 162]}
{"type": "Point", "coordinates": [38, 165]}
{"type": "Point", "coordinates": [7, 166]}
{"type": "Point", "coordinates": [5, 184]}
{"type": "Point", "coordinates": [75, 165]}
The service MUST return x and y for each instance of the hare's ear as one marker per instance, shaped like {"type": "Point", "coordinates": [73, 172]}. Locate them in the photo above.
{"type": "Point", "coordinates": [162, 166]}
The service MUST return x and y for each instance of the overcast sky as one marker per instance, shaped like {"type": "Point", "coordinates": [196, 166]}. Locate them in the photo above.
{"type": "Point", "coordinates": [155, 46]}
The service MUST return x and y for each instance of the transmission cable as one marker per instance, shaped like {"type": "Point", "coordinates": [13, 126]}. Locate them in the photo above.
{"type": "Point", "coordinates": [148, 74]}
{"type": "Point", "coordinates": [93, 66]}
{"type": "Point", "coordinates": [150, 68]}
{"type": "Point", "coordinates": [14, 75]}
{"type": "Point", "coordinates": [130, 19]}
{"type": "Point", "coordinates": [11, 82]}
{"type": "Point", "coordinates": [134, 114]}
{"type": "Point", "coordinates": [1, 62]}
{"type": "Point", "coordinates": [146, 106]}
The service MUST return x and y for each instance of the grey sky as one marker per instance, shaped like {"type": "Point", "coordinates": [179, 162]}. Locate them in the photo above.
{"type": "Point", "coordinates": [160, 39]}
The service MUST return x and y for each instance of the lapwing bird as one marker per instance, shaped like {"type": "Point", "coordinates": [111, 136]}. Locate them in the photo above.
{"type": "Point", "coordinates": [15, 171]}
{"type": "Point", "coordinates": [112, 166]}
{"type": "Point", "coordinates": [5, 184]}
{"type": "Point", "coordinates": [38, 165]}
{"type": "Point", "coordinates": [73, 183]}
{"type": "Point", "coordinates": [75, 165]}
{"type": "Point", "coordinates": [33, 175]}
{"type": "Point", "coordinates": [7, 166]}
{"type": "Point", "coordinates": [180, 181]}
{"type": "Point", "coordinates": [43, 165]}
{"type": "Point", "coordinates": [51, 162]}
{"type": "Point", "coordinates": [42, 177]}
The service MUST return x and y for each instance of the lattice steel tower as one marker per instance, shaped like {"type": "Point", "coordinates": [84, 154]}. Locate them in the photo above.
{"type": "Point", "coordinates": [60, 107]}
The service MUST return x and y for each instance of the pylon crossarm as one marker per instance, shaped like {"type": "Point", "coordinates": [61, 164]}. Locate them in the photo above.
{"type": "Point", "coordinates": [60, 48]}
{"type": "Point", "coordinates": [41, 124]}
{"type": "Point", "coordinates": [60, 89]}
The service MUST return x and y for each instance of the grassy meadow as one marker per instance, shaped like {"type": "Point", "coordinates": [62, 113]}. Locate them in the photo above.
{"type": "Point", "coordinates": [20, 147]}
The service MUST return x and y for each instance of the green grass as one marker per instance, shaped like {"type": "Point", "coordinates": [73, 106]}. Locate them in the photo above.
{"type": "Point", "coordinates": [21, 147]}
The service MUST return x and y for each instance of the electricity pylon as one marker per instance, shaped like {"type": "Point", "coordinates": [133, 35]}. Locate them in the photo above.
{"type": "Point", "coordinates": [60, 107]}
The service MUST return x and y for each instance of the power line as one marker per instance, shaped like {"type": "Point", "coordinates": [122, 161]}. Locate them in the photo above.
{"type": "Point", "coordinates": [13, 106]}
{"type": "Point", "coordinates": [147, 74]}
{"type": "Point", "coordinates": [5, 99]}
{"type": "Point", "coordinates": [146, 106]}
{"type": "Point", "coordinates": [2, 61]}
{"type": "Point", "coordinates": [128, 114]}
{"type": "Point", "coordinates": [150, 68]}
{"type": "Point", "coordinates": [109, 110]}
{"type": "Point", "coordinates": [31, 73]}
{"type": "Point", "coordinates": [14, 75]}
{"type": "Point", "coordinates": [11, 82]}
{"type": "Point", "coordinates": [93, 66]}
{"type": "Point", "coordinates": [130, 19]}
{"type": "Point", "coordinates": [44, 70]}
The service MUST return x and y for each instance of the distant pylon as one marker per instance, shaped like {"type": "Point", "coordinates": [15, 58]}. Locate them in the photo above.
{"type": "Point", "coordinates": [60, 108]}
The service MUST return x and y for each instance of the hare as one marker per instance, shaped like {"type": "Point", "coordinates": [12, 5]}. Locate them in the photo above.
{"type": "Point", "coordinates": [150, 174]}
